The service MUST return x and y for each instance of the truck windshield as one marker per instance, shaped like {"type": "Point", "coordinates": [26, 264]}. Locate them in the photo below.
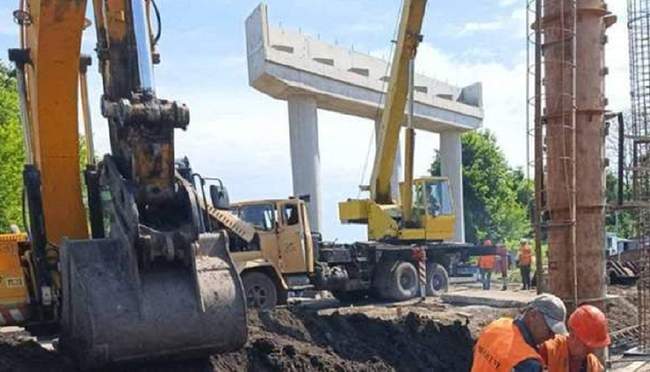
{"type": "Point", "coordinates": [262, 216]}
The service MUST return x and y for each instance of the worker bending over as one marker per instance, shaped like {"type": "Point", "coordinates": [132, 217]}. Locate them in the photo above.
{"type": "Point", "coordinates": [511, 345]}
{"type": "Point", "coordinates": [574, 353]}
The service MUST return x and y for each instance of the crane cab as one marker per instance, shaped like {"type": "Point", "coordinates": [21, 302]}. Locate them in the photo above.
{"type": "Point", "coordinates": [432, 213]}
{"type": "Point", "coordinates": [432, 216]}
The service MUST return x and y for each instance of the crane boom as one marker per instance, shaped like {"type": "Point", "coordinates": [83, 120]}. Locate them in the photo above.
{"type": "Point", "coordinates": [391, 120]}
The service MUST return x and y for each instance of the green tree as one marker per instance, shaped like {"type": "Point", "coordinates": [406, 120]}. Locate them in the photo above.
{"type": "Point", "coordinates": [11, 152]}
{"type": "Point", "coordinates": [497, 199]}
{"type": "Point", "coordinates": [620, 222]}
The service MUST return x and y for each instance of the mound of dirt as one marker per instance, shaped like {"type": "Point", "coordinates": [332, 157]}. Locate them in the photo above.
{"type": "Point", "coordinates": [294, 340]}
{"type": "Point", "coordinates": [289, 340]}
{"type": "Point", "coordinates": [21, 354]}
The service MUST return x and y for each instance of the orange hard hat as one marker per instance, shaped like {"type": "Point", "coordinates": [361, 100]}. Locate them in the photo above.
{"type": "Point", "coordinates": [589, 324]}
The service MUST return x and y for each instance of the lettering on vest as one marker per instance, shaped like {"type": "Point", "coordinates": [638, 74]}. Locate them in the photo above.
{"type": "Point", "coordinates": [485, 353]}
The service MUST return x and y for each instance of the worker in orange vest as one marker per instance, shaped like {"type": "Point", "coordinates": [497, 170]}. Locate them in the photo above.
{"type": "Point", "coordinates": [485, 267]}
{"type": "Point", "coordinates": [524, 261]}
{"type": "Point", "coordinates": [574, 353]}
{"type": "Point", "coordinates": [507, 344]}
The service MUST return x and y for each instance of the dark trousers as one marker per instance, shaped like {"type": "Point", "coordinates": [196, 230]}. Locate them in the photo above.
{"type": "Point", "coordinates": [525, 276]}
{"type": "Point", "coordinates": [486, 276]}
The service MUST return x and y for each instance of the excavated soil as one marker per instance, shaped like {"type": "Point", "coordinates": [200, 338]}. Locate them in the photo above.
{"type": "Point", "coordinates": [286, 340]}
{"type": "Point", "coordinates": [298, 340]}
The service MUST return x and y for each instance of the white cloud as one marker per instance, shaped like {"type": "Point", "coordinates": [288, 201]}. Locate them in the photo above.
{"type": "Point", "coordinates": [504, 94]}
{"type": "Point", "coordinates": [506, 3]}
{"type": "Point", "coordinates": [472, 27]}
{"type": "Point", "coordinates": [617, 84]}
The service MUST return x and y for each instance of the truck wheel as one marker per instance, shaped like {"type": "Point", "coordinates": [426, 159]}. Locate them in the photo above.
{"type": "Point", "coordinates": [437, 279]}
{"type": "Point", "coordinates": [260, 291]}
{"type": "Point", "coordinates": [403, 282]}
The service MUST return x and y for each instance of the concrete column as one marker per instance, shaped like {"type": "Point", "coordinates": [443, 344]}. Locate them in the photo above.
{"type": "Point", "coordinates": [397, 168]}
{"type": "Point", "coordinates": [305, 154]}
{"type": "Point", "coordinates": [451, 162]}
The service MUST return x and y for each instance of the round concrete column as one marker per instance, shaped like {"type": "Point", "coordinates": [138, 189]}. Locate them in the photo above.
{"type": "Point", "coordinates": [305, 154]}
{"type": "Point", "coordinates": [451, 162]}
{"type": "Point", "coordinates": [397, 167]}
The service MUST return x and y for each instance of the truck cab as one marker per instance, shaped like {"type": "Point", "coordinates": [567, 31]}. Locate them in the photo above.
{"type": "Point", "coordinates": [281, 257]}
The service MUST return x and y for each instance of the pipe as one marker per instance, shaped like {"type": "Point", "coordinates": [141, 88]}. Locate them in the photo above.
{"type": "Point", "coordinates": [143, 45]}
{"type": "Point", "coordinates": [539, 150]}
{"type": "Point", "coordinates": [84, 62]}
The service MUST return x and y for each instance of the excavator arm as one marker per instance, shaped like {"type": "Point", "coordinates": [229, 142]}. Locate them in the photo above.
{"type": "Point", "coordinates": [157, 284]}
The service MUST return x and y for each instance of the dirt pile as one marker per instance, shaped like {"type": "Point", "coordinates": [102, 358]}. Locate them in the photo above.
{"type": "Point", "coordinates": [20, 354]}
{"type": "Point", "coordinates": [286, 340]}
{"type": "Point", "coordinates": [295, 340]}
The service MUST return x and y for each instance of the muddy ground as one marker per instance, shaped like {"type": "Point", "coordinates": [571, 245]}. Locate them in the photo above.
{"type": "Point", "coordinates": [421, 336]}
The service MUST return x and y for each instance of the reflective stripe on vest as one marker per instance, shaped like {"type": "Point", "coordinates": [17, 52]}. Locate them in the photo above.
{"type": "Point", "coordinates": [557, 356]}
{"type": "Point", "coordinates": [501, 347]}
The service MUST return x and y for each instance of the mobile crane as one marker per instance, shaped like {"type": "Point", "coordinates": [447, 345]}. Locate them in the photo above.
{"type": "Point", "coordinates": [150, 281]}
{"type": "Point", "coordinates": [284, 256]}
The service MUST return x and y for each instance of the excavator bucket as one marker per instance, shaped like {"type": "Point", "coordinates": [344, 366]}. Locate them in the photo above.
{"type": "Point", "coordinates": [115, 312]}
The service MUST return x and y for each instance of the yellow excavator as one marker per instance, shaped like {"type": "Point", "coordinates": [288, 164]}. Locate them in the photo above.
{"type": "Point", "coordinates": [147, 281]}
{"type": "Point", "coordinates": [429, 217]}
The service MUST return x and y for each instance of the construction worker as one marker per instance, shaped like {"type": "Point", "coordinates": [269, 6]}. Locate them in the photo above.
{"type": "Point", "coordinates": [485, 267]}
{"type": "Point", "coordinates": [511, 344]}
{"type": "Point", "coordinates": [524, 261]}
{"type": "Point", "coordinates": [502, 254]}
{"type": "Point", "coordinates": [574, 353]}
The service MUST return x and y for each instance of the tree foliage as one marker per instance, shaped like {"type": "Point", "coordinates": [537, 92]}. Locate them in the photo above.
{"type": "Point", "coordinates": [497, 199]}
{"type": "Point", "coordinates": [619, 222]}
{"type": "Point", "coordinates": [11, 152]}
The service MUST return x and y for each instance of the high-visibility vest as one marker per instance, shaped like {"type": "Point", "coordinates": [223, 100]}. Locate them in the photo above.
{"type": "Point", "coordinates": [557, 356]}
{"type": "Point", "coordinates": [525, 256]}
{"type": "Point", "coordinates": [486, 262]}
{"type": "Point", "coordinates": [500, 347]}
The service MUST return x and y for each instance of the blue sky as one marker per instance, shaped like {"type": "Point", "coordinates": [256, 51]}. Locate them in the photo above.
{"type": "Point", "coordinates": [241, 135]}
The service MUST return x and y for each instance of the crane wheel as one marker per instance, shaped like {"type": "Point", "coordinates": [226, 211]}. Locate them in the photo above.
{"type": "Point", "coordinates": [402, 282]}
{"type": "Point", "coordinates": [260, 291]}
{"type": "Point", "coordinates": [437, 279]}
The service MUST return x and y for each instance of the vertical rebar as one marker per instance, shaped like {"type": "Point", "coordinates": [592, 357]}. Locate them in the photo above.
{"type": "Point", "coordinates": [637, 133]}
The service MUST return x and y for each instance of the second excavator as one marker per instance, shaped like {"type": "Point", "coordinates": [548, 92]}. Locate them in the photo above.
{"type": "Point", "coordinates": [149, 281]}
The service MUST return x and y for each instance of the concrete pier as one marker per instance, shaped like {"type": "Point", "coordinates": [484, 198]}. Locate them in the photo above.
{"type": "Point", "coordinates": [310, 74]}
{"type": "Point", "coordinates": [451, 162]}
{"type": "Point", "coordinates": [305, 154]}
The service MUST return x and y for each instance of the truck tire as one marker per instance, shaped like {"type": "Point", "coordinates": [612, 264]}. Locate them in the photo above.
{"type": "Point", "coordinates": [402, 282]}
{"type": "Point", "coordinates": [260, 291]}
{"type": "Point", "coordinates": [437, 279]}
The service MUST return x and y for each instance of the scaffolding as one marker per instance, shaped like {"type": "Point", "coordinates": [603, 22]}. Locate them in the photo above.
{"type": "Point", "coordinates": [637, 133]}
